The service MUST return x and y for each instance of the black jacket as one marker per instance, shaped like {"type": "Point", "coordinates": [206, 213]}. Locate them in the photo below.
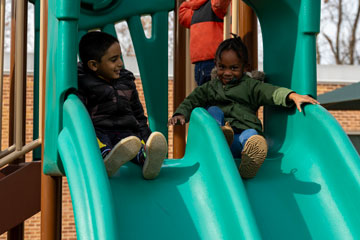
{"type": "Point", "coordinates": [115, 105]}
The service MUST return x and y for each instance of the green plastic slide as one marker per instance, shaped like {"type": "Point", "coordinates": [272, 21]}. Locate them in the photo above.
{"type": "Point", "coordinates": [198, 197]}
{"type": "Point", "coordinates": [308, 187]}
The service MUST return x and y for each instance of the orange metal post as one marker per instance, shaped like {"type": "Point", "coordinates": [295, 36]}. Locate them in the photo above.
{"type": "Point", "coordinates": [17, 232]}
{"type": "Point", "coordinates": [12, 75]}
{"type": "Point", "coordinates": [2, 33]}
{"type": "Point", "coordinates": [51, 187]}
{"type": "Point", "coordinates": [179, 81]}
{"type": "Point", "coordinates": [20, 73]}
{"type": "Point", "coordinates": [248, 32]}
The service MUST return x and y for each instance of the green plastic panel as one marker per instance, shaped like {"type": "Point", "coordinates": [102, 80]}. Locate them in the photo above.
{"type": "Point", "coordinates": [83, 164]}
{"type": "Point", "coordinates": [120, 10]}
{"type": "Point", "coordinates": [37, 151]}
{"type": "Point", "coordinates": [310, 180]}
{"type": "Point", "coordinates": [61, 75]}
{"type": "Point", "coordinates": [311, 189]}
{"type": "Point", "coordinates": [198, 197]}
{"type": "Point", "coordinates": [152, 58]}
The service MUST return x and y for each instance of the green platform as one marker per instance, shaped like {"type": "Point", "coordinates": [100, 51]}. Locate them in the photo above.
{"type": "Point", "coordinates": [308, 187]}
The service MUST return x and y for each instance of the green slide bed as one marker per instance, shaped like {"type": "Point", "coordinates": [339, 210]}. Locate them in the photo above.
{"type": "Point", "coordinates": [308, 192]}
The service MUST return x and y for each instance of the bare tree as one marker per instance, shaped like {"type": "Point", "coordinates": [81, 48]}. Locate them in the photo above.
{"type": "Point", "coordinates": [353, 40]}
{"type": "Point", "coordinates": [339, 32]}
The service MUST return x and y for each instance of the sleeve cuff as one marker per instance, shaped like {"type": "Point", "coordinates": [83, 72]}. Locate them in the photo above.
{"type": "Point", "coordinates": [280, 97]}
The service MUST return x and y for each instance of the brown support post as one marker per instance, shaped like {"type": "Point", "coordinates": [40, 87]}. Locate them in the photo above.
{"type": "Point", "coordinates": [2, 37]}
{"type": "Point", "coordinates": [12, 75]}
{"type": "Point", "coordinates": [179, 81]}
{"type": "Point", "coordinates": [51, 207]}
{"type": "Point", "coordinates": [248, 32]}
{"type": "Point", "coordinates": [51, 187]}
{"type": "Point", "coordinates": [17, 233]}
{"type": "Point", "coordinates": [20, 75]}
{"type": "Point", "coordinates": [23, 74]}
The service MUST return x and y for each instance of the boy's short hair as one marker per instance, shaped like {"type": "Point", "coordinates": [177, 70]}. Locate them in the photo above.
{"type": "Point", "coordinates": [93, 45]}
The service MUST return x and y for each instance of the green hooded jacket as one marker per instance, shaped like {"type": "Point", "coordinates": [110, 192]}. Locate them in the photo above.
{"type": "Point", "coordinates": [239, 100]}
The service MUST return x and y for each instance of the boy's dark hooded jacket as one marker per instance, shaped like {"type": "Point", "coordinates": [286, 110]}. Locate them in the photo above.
{"type": "Point", "coordinates": [115, 105]}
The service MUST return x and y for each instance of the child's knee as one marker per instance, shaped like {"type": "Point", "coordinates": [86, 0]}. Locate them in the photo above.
{"type": "Point", "coordinates": [215, 112]}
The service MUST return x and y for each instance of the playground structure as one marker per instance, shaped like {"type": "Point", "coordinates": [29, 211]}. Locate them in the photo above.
{"type": "Point", "coordinates": [307, 188]}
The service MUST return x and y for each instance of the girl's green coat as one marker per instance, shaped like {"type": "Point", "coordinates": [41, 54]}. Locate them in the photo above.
{"type": "Point", "coordinates": [239, 100]}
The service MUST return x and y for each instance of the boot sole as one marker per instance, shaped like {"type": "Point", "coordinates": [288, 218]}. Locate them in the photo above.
{"type": "Point", "coordinates": [253, 156]}
{"type": "Point", "coordinates": [229, 134]}
{"type": "Point", "coordinates": [156, 150]}
{"type": "Point", "coordinates": [124, 151]}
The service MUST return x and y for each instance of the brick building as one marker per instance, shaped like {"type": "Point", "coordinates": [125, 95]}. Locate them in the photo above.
{"type": "Point", "coordinates": [330, 78]}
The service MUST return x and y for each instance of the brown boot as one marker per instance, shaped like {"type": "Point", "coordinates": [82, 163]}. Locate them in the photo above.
{"type": "Point", "coordinates": [253, 156]}
{"type": "Point", "coordinates": [228, 133]}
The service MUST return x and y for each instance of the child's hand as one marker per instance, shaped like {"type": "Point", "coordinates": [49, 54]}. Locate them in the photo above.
{"type": "Point", "coordinates": [300, 99]}
{"type": "Point", "coordinates": [176, 120]}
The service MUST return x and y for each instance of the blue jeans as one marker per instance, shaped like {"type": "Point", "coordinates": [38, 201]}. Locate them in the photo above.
{"type": "Point", "coordinates": [203, 71]}
{"type": "Point", "coordinates": [239, 138]}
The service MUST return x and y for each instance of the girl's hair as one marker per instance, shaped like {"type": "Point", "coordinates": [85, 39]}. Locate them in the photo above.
{"type": "Point", "coordinates": [235, 44]}
{"type": "Point", "coordinates": [93, 46]}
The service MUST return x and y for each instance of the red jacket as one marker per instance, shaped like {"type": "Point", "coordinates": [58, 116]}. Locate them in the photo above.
{"type": "Point", "coordinates": [205, 18]}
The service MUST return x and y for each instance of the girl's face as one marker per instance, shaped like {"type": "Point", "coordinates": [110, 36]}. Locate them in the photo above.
{"type": "Point", "coordinates": [110, 65]}
{"type": "Point", "coordinates": [229, 66]}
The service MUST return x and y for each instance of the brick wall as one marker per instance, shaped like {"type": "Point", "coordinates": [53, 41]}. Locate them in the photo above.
{"type": "Point", "coordinates": [350, 120]}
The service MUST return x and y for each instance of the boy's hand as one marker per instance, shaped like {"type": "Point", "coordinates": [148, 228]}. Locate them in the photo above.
{"type": "Point", "coordinates": [177, 120]}
{"type": "Point", "coordinates": [300, 99]}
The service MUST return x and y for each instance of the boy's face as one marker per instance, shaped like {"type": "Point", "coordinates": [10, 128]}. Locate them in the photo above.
{"type": "Point", "coordinates": [229, 67]}
{"type": "Point", "coordinates": [110, 65]}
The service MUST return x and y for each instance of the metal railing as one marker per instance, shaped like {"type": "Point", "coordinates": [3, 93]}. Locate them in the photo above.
{"type": "Point", "coordinates": [18, 78]}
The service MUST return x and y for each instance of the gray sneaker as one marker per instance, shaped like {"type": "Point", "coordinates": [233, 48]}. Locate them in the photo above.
{"type": "Point", "coordinates": [156, 150]}
{"type": "Point", "coordinates": [124, 151]}
{"type": "Point", "coordinates": [253, 156]}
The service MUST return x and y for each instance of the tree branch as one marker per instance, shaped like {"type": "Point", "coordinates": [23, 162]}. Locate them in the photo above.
{"type": "Point", "coordinates": [332, 48]}
{"type": "Point", "coordinates": [318, 54]}
{"type": "Point", "coordinates": [338, 31]}
{"type": "Point", "coordinates": [352, 42]}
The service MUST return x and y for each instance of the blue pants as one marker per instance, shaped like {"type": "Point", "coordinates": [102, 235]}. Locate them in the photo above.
{"type": "Point", "coordinates": [239, 138]}
{"type": "Point", "coordinates": [203, 71]}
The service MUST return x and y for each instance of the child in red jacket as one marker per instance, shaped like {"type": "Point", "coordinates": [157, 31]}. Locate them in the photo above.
{"type": "Point", "coordinates": [205, 19]}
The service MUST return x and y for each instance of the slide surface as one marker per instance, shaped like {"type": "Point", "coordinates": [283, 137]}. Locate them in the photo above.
{"type": "Point", "coordinates": [198, 197]}
{"type": "Point", "coordinates": [310, 191]}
